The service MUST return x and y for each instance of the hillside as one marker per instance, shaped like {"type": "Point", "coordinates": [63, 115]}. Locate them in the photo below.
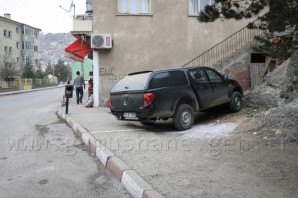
{"type": "Point", "coordinates": [52, 46]}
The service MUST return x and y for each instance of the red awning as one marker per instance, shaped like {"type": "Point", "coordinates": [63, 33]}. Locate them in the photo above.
{"type": "Point", "coordinates": [78, 50]}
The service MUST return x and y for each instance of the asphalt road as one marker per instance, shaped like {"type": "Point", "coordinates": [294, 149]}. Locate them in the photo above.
{"type": "Point", "coordinates": [41, 157]}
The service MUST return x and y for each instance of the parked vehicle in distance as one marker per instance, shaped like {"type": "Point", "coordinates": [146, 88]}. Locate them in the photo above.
{"type": "Point", "coordinates": [148, 96]}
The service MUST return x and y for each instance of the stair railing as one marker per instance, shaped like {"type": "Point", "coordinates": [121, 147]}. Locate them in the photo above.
{"type": "Point", "coordinates": [225, 48]}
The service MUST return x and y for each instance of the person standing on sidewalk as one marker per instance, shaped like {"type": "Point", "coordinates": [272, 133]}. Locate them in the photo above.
{"type": "Point", "coordinates": [79, 83]}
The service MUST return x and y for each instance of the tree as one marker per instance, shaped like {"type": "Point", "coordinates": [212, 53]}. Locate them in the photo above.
{"type": "Point", "coordinates": [280, 22]}
{"type": "Point", "coordinates": [39, 73]}
{"type": "Point", "coordinates": [62, 71]}
{"type": "Point", "coordinates": [49, 69]}
{"type": "Point", "coordinates": [28, 71]}
{"type": "Point", "coordinates": [8, 68]}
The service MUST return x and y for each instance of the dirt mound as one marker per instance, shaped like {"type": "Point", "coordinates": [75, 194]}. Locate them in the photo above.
{"type": "Point", "coordinates": [289, 89]}
{"type": "Point", "coordinates": [268, 94]}
{"type": "Point", "coordinates": [278, 121]}
{"type": "Point", "coordinates": [277, 96]}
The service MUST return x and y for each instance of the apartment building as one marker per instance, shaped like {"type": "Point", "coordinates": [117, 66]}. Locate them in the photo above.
{"type": "Point", "coordinates": [19, 41]}
{"type": "Point", "coordinates": [152, 34]}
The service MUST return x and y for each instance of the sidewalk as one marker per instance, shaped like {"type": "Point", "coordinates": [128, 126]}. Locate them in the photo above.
{"type": "Point", "coordinates": [205, 161]}
{"type": "Point", "coordinates": [90, 124]}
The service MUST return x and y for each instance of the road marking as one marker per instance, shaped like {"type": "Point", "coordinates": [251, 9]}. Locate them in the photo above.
{"type": "Point", "coordinates": [116, 130]}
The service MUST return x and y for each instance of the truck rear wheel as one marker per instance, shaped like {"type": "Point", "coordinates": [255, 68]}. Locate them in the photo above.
{"type": "Point", "coordinates": [184, 117]}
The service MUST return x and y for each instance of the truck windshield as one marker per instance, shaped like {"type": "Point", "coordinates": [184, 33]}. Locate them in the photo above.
{"type": "Point", "coordinates": [134, 82]}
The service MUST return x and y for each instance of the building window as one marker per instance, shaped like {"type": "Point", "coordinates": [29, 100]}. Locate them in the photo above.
{"type": "Point", "coordinates": [27, 46]}
{"type": "Point", "coordinates": [5, 33]}
{"type": "Point", "coordinates": [134, 6]}
{"type": "Point", "coordinates": [25, 59]}
{"type": "Point", "coordinates": [196, 6]}
{"type": "Point", "coordinates": [9, 34]}
{"type": "Point", "coordinates": [27, 31]}
{"type": "Point", "coordinates": [10, 50]}
{"type": "Point", "coordinates": [17, 30]}
{"type": "Point", "coordinates": [5, 49]}
{"type": "Point", "coordinates": [18, 45]}
{"type": "Point", "coordinates": [35, 48]}
{"type": "Point", "coordinates": [28, 59]}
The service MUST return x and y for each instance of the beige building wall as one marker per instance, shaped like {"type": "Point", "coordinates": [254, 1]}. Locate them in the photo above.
{"type": "Point", "coordinates": [11, 26]}
{"type": "Point", "coordinates": [168, 37]}
{"type": "Point", "coordinates": [15, 42]}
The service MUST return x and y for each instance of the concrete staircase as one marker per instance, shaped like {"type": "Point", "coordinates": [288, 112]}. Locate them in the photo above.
{"type": "Point", "coordinates": [225, 48]}
{"type": "Point", "coordinates": [232, 57]}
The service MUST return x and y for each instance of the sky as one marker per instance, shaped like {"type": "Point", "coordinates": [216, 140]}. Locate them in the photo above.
{"type": "Point", "coordinates": [46, 15]}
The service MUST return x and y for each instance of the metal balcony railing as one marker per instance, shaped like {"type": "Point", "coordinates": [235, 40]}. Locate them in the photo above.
{"type": "Point", "coordinates": [225, 48]}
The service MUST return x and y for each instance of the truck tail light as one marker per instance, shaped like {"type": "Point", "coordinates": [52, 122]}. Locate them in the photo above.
{"type": "Point", "coordinates": [148, 98]}
{"type": "Point", "coordinates": [109, 103]}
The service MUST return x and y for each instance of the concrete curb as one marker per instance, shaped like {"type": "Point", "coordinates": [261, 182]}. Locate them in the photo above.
{"type": "Point", "coordinates": [133, 183]}
{"type": "Point", "coordinates": [27, 91]}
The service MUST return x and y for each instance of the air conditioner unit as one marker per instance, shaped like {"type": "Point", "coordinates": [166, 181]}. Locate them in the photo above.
{"type": "Point", "coordinates": [101, 41]}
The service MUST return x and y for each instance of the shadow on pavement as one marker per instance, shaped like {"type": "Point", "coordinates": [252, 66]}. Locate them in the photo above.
{"type": "Point", "coordinates": [206, 117]}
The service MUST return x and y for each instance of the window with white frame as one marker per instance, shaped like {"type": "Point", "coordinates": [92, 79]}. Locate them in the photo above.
{"type": "Point", "coordinates": [196, 6]}
{"type": "Point", "coordinates": [25, 59]}
{"type": "Point", "coordinates": [27, 45]}
{"type": "Point", "coordinates": [27, 31]}
{"type": "Point", "coordinates": [134, 6]}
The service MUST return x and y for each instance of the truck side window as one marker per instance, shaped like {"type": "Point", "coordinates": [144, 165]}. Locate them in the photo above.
{"type": "Point", "coordinates": [198, 75]}
{"type": "Point", "coordinates": [213, 76]}
{"type": "Point", "coordinates": [169, 78]}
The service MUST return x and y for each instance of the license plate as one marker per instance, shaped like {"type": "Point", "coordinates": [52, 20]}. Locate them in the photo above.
{"type": "Point", "coordinates": [129, 115]}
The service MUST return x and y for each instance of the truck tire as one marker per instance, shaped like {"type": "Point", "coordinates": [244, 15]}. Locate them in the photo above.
{"type": "Point", "coordinates": [235, 104]}
{"type": "Point", "coordinates": [184, 117]}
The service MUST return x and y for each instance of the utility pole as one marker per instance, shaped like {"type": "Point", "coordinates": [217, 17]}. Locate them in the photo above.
{"type": "Point", "coordinates": [82, 63]}
{"type": "Point", "coordinates": [53, 66]}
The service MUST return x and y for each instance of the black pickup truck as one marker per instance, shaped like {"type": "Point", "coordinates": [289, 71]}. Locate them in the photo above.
{"type": "Point", "coordinates": [173, 93]}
